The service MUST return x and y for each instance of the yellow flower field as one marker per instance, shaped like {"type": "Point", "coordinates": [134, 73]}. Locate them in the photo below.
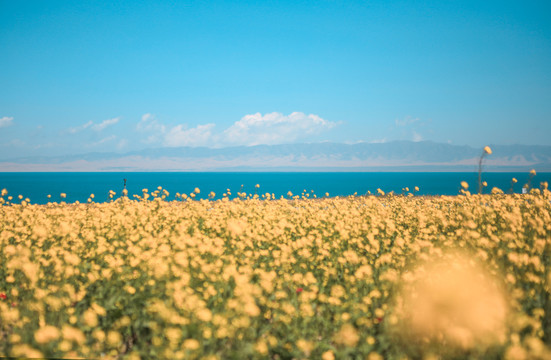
{"type": "Point", "coordinates": [367, 277]}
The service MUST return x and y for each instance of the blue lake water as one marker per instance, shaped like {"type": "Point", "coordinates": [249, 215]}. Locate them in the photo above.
{"type": "Point", "coordinates": [78, 186]}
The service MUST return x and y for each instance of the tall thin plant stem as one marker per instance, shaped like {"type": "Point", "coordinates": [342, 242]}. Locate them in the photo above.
{"type": "Point", "coordinates": [486, 151]}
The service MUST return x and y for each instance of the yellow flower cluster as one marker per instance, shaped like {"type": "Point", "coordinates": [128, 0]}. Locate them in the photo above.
{"type": "Point", "coordinates": [345, 277]}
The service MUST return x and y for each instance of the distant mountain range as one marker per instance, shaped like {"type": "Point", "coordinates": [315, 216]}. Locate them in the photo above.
{"type": "Point", "coordinates": [390, 156]}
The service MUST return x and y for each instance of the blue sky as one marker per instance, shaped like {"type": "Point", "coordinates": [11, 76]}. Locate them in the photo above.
{"type": "Point", "coordinates": [89, 76]}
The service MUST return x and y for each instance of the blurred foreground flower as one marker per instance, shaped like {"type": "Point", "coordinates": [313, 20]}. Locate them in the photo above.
{"type": "Point", "coordinates": [453, 305]}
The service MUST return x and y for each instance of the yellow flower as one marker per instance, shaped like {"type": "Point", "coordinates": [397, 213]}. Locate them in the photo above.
{"type": "Point", "coordinates": [191, 344]}
{"type": "Point", "coordinates": [73, 334]}
{"type": "Point", "coordinates": [533, 172]}
{"type": "Point", "coordinates": [374, 356]}
{"type": "Point", "coordinates": [114, 338]}
{"type": "Point", "coordinates": [328, 355]}
{"type": "Point", "coordinates": [65, 346]}
{"type": "Point", "coordinates": [487, 150]}
{"type": "Point", "coordinates": [464, 184]}
{"type": "Point", "coordinates": [99, 335]}
{"type": "Point", "coordinates": [173, 335]}
{"type": "Point", "coordinates": [204, 315]}
{"type": "Point", "coordinates": [90, 318]}
{"type": "Point", "coordinates": [98, 309]}
{"type": "Point", "coordinates": [347, 336]}
{"type": "Point", "coordinates": [134, 355]}
{"type": "Point", "coordinates": [197, 191]}
{"type": "Point", "coordinates": [24, 350]}
{"type": "Point", "coordinates": [261, 347]}
{"type": "Point", "coordinates": [516, 352]}
{"type": "Point", "coordinates": [63, 195]}
{"type": "Point", "coordinates": [337, 291]}
{"type": "Point", "coordinates": [46, 334]}
{"type": "Point", "coordinates": [305, 346]}
{"type": "Point", "coordinates": [514, 180]}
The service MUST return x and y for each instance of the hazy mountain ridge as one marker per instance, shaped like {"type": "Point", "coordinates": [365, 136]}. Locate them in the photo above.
{"type": "Point", "coordinates": [392, 156]}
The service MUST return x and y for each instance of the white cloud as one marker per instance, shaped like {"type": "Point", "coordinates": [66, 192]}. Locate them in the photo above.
{"type": "Point", "coordinates": [253, 129]}
{"type": "Point", "coordinates": [96, 127]}
{"type": "Point", "coordinates": [149, 123]}
{"type": "Point", "coordinates": [408, 120]}
{"type": "Point", "coordinates": [105, 123]}
{"type": "Point", "coordinates": [275, 128]}
{"type": "Point", "coordinates": [6, 121]}
{"type": "Point", "coordinates": [102, 141]}
{"type": "Point", "coordinates": [411, 128]}
{"type": "Point", "coordinates": [81, 127]}
{"type": "Point", "coordinates": [122, 144]}
{"type": "Point", "coordinates": [201, 135]}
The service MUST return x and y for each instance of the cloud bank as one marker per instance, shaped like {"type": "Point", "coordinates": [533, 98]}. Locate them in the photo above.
{"type": "Point", "coordinates": [252, 129]}
{"type": "Point", "coordinates": [275, 128]}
